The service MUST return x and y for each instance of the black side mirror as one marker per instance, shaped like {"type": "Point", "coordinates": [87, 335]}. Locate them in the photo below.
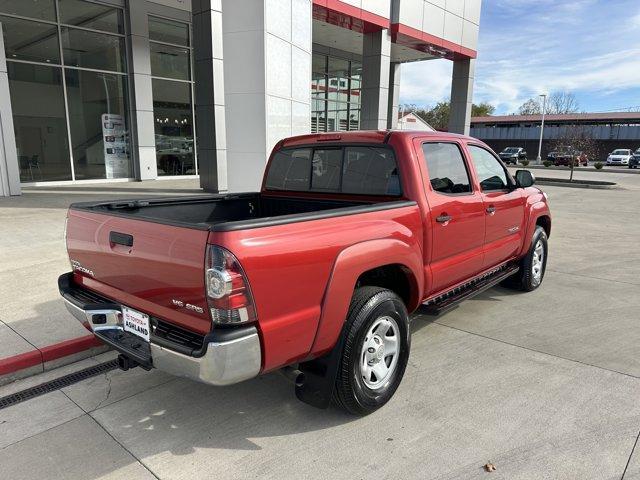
{"type": "Point", "coordinates": [524, 178]}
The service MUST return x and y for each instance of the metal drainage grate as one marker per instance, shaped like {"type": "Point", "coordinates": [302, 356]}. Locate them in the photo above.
{"type": "Point", "coordinates": [57, 384]}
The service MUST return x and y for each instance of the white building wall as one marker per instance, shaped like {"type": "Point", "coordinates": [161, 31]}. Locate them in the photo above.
{"type": "Point", "coordinates": [267, 77]}
{"type": "Point", "coordinates": [456, 21]}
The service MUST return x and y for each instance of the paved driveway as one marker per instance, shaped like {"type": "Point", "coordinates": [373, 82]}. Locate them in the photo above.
{"type": "Point", "coordinates": [544, 385]}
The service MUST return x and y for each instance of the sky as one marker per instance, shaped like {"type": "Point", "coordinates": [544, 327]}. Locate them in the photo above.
{"type": "Point", "coordinates": [527, 47]}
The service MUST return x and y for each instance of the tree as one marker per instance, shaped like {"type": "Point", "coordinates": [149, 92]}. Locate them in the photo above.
{"type": "Point", "coordinates": [483, 109]}
{"type": "Point", "coordinates": [530, 107]}
{"type": "Point", "coordinates": [580, 139]}
{"type": "Point", "coordinates": [557, 103]}
{"type": "Point", "coordinates": [438, 115]}
{"type": "Point", "coordinates": [562, 103]}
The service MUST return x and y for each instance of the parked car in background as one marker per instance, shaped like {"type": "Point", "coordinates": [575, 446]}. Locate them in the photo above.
{"type": "Point", "coordinates": [620, 156]}
{"type": "Point", "coordinates": [634, 161]}
{"type": "Point", "coordinates": [565, 155]}
{"type": "Point", "coordinates": [512, 155]}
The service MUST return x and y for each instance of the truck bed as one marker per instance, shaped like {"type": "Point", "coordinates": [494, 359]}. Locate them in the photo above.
{"type": "Point", "coordinates": [232, 211]}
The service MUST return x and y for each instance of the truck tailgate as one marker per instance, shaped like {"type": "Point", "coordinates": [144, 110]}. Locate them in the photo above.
{"type": "Point", "coordinates": [159, 273]}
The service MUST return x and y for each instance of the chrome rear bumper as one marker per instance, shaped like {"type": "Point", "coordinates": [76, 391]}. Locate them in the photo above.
{"type": "Point", "coordinates": [230, 356]}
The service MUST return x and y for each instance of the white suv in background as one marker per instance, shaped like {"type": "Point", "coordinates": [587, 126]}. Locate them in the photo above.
{"type": "Point", "coordinates": [620, 156]}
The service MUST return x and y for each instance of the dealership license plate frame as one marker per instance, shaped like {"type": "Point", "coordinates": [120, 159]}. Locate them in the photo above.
{"type": "Point", "coordinates": [136, 323]}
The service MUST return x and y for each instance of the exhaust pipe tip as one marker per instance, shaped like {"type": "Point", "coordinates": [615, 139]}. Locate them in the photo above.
{"type": "Point", "coordinates": [294, 375]}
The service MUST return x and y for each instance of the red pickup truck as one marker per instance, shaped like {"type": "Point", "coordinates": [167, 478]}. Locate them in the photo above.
{"type": "Point", "coordinates": [317, 273]}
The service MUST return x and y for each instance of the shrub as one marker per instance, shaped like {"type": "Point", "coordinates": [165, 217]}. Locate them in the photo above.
{"type": "Point", "coordinates": [524, 162]}
{"type": "Point", "coordinates": [547, 163]}
{"type": "Point", "coordinates": [598, 165]}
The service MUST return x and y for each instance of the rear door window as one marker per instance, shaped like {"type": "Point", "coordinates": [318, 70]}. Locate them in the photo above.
{"type": "Point", "coordinates": [370, 171]}
{"type": "Point", "coordinates": [447, 171]}
{"type": "Point", "coordinates": [357, 170]}
{"type": "Point", "coordinates": [290, 170]}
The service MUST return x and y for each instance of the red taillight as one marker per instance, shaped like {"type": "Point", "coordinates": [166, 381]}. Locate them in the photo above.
{"type": "Point", "coordinates": [228, 291]}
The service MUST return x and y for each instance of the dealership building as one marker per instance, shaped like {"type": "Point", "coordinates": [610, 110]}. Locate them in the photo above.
{"type": "Point", "coordinates": [119, 90]}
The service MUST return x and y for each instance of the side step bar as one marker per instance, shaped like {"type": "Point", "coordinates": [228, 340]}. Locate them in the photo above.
{"type": "Point", "coordinates": [451, 299]}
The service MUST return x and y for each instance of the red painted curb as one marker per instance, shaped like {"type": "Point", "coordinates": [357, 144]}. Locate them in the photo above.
{"type": "Point", "coordinates": [47, 354]}
{"type": "Point", "coordinates": [20, 362]}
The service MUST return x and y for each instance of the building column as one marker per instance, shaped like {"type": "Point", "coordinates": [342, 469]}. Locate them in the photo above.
{"type": "Point", "coordinates": [9, 169]}
{"type": "Point", "coordinates": [394, 96]}
{"type": "Point", "coordinates": [209, 95]}
{"type": "Point", "coordinates": [461, 95]}
{"type": "Point", "coordinates": [376, 57]}
{"type": "Point", "coordinates": [267, 78]}
{"type": "Point", "coordinates": [141, 118]}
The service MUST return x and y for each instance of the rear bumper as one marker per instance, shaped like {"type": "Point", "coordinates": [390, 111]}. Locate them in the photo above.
{"type": "Point", "coordinates": [228, 356]}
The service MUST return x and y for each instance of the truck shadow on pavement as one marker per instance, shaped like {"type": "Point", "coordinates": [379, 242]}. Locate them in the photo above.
{"type": "Point", "coordinates": [420, 319]}
{"type": "Point", "coordinates": [181, 416]}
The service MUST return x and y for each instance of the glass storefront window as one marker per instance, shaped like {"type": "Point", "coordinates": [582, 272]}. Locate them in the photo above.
{"type": "Point", "coordinates": [173, 115]}
{"type": "Point", "coordinates": [172, 96]}
{"type": "Point", "coordinates": [338, 68]}
{"type": "Point", "coordinates": [318, 116]}
{"type": "Point", "coordinates": [170, 62]}
{"type": "Point", "coordinates": [319, 63]}
{"type": "Point", "coordinates": [98, 120]}
{"type": "Point", "coordinates": [39, 121]}
{"type": "Point", "coordinates": [335, 92]}
{"type": "Point", "coordinates": [168, 31]}
{"type": "Point", "coordinates": [354, 118]}
{"type": "Point", "coordinates": [91, 15]}
{"type": "Point", "coordinates": [86, 135]}
{"type": "Point", "coordinates": [318, 85]}
{"type": "Point", "coordinates": [40, 9]}
{"type": "Point", "coordinates": [30, 41]}
{"type": "Point", "coordinates": [92, 50]}
{"type": "Point", "coordinates": [337, 114]}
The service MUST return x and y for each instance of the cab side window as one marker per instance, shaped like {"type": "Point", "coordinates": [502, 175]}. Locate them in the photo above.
{"type": "Point", "coordinates": [447, 171]}
{"type": "Point", "coordinates": [491, 173]}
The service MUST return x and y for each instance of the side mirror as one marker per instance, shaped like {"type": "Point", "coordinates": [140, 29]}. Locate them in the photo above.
{"type": "Point", "coordinates": [524, 178]}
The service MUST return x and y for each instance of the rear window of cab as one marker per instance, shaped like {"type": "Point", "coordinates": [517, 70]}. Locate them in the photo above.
{"type": "Point", "coordinates": [359, 170]}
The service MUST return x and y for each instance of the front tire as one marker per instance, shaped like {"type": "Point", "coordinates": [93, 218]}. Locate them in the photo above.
{"type": "Point", "coordinates": [533, 265]}
{"type": "Point", "coordinates": [376, 351]}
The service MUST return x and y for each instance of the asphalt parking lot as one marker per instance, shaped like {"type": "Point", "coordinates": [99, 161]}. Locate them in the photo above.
{"type": "Point", "coordinates": [545, 385]}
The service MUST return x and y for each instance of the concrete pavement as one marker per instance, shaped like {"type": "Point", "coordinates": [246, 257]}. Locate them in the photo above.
{"type": "Point", "coordinates": [544, 385]}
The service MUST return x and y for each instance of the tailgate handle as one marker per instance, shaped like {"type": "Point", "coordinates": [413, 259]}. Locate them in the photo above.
{"type": "Point", "coordinates": [121, 239]}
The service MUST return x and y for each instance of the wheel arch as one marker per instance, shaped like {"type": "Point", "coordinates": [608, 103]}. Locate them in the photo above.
{"type": "Point", "coordinates": [544, 221]}
{"type": "Point", "coordinates": [371, 263]}
{"type": "Point", "coordinates": [538, 214]}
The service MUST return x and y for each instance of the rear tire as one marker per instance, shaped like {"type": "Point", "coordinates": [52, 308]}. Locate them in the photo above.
{"type": "Point", "coordinates": [376, 350]}
{"type": "Point", "coordinates": [533, 265]}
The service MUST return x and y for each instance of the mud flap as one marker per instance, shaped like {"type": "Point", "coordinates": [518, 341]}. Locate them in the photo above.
{"type": "Point", "coordinates": [320, 377]}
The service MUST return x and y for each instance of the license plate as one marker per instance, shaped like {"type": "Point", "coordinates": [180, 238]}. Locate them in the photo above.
{"type": "Point", "coordinates": [136, 322]}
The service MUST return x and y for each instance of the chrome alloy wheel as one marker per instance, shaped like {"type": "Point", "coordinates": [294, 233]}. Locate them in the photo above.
{"type": "Point", "coordinates": [537, 262]}
{"type": "Point", "coordinates": [380, 352]}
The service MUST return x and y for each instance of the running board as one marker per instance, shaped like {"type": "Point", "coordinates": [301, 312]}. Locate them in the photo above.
{"type": "Point", "coordinates": [448, 301]}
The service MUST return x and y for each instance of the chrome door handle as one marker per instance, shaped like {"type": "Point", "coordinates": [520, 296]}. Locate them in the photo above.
{"type": "Point", "coordinates": [491, 210]}
{"type": "Point", "coordinates": [443, 218]}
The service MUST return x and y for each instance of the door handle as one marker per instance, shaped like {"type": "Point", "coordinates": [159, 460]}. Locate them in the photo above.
{"type": "Point", "coordinates": [443, 218]}
{"type": "Point", "coordinates": [491, 210]}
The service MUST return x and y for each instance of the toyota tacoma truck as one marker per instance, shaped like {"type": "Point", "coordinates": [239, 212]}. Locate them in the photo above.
{"type": "Point", "coordinates": [315, 275]}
